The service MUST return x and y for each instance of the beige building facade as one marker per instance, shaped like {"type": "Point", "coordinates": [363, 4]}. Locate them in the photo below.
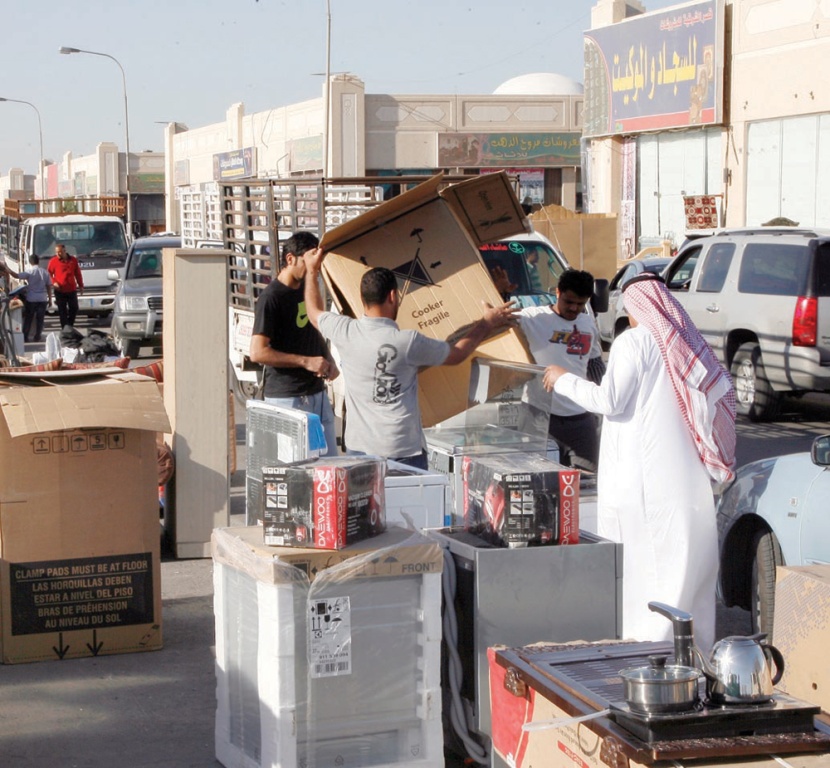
{"type": "Point", "coordinates": [534, 135]}
{"type": "Point", "coordinates": [765, 151]}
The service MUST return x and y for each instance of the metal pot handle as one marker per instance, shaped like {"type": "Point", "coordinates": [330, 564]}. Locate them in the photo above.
{"type": "Point", "coordinates": [771, 652]}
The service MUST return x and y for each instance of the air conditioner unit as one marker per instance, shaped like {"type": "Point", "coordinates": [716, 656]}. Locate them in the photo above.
{"type": "Point", "coordinates": [275, 435]}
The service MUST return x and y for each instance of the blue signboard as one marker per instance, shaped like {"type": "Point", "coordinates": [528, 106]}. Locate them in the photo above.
{"type": "Point", "coordinates": [237, 164]}
{"type": "Point", "coordinates": [656, 71]}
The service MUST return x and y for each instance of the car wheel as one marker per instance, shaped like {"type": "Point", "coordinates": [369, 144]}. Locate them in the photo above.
{"type": "Point", "coordinates": [767, 556]}
{"type": "Point", "coordinates": [131, 348]}
{"type": "Point", "coordinates": [755, 396]}
{"type": "Point", "coordinates": [243, 390]}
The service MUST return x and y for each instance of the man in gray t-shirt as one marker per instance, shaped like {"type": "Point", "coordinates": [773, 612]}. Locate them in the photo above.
{"type": "Point", "coordinates": [380, 362]}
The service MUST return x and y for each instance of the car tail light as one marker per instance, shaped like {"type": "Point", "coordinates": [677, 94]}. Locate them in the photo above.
{"type": "Point", "coordinates": [805, 321]}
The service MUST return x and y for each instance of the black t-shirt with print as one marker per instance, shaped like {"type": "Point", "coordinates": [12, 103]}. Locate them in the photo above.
{"type": "Point", "coordinates": [280, 315]}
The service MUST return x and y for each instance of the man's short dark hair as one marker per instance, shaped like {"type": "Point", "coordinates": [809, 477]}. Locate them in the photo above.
{"type": "Point", "coordinates": [298, 244]}
{"type": "Point", "coordinates": [34, 259]}
{"type": "Point", "coordinates": [577, 281]}
{"type": "Point", "coordinates": [376, 284]}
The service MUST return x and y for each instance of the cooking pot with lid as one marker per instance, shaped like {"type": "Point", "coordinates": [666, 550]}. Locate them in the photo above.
{"type": "Point", "coordinates": [660, 688]}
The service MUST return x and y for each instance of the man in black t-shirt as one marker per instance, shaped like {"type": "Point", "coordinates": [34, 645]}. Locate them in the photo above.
{"type": "Point", "coordinates": [296, 360]}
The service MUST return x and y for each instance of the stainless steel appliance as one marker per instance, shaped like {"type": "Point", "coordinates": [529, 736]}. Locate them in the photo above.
{"type": "Point", "coordinates": [526, 595]}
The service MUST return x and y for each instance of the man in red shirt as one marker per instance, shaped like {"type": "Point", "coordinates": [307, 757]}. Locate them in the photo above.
{"type": "Point", "coordinates": [67, 282]}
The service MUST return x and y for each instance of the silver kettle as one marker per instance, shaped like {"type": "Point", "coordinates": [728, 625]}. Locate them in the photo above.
{"type": "Point", "coordinates": [739, 670]}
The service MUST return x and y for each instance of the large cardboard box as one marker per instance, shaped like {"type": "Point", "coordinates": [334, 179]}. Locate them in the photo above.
{"type": "Point", "coordinates": [429, 238]}
{"type": "Point", "coordinates": [79, 524]}
{"type": "Point", "coordinates": [589, 241]}
{"type": "Point", "coordinates": [801, 631]}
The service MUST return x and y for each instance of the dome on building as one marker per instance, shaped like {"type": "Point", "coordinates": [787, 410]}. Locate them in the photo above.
{"type": "Point", "coordinates": [540, 84]}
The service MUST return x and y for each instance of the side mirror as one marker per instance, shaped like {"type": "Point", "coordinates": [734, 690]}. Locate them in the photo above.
{"type": "Point", "coordinates": [112, 274]}
{"type": "Point", "coordinates": [820, 451]}
{"type": "Point", "coordinates": [599, 301]}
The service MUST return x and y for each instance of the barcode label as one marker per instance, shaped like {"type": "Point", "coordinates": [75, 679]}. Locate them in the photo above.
{"type": "Point", "coordinates": [331, 668]}
{"type": "Point", "coordinates": [329, 636]}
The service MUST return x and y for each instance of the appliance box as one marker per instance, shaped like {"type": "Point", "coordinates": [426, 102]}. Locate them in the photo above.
{"type": "Point", "coordinates": [80, 570]}
{"type": "Point", "coordinates": [284, 672]}
{"type": "Point", "coordinates": [516, 499]}
{"type": "Point", "coordinates": [326, 503]}
{"type": "Point", "coordinates": [429, 238]}
{"type": "Point", "coordinates": [801, 631]}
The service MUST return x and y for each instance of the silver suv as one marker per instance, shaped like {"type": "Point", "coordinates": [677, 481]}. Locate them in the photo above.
{"type": "Point", "coordinates": [137, 318]}
{"type": "Point", "coordinates": [761, 298]}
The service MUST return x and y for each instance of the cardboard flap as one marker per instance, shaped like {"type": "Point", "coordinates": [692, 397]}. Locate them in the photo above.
{"type": "Point", "coordinates": [391, 209]}
{"type": "Point", "coordinates": [108, 403]}
{"type": "Point", "coordinates": [487, 207]}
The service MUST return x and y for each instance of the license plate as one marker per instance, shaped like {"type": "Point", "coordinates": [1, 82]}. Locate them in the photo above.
{"type": "Point", "coordinates": [84, 303]}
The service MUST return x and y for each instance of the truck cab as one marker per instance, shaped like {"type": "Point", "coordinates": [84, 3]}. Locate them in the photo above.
{"type": "Point", "coordinates": [98, 242]}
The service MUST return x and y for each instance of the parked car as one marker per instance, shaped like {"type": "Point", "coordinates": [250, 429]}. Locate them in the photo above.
{"type": "Point", "coordinates": [137, 318]}
{"type": "Point", "coordinates": [774, 513]}
{"type": "Point", "coordinates": [614, 320]}
{"type": "Point", "coordinates": [761, 298]}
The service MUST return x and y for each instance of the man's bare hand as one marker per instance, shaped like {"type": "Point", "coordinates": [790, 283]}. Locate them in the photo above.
{"type": "Point", "coordinates": [319, 366]}
{"type": "Point", "coordinates": [552, 374]}
{"type": "Point", "coordinates": [314, 260]}
{"type": "Point", "coordinates": [334, 371]}
{"type": "Point", "coordinates": [500, 316]}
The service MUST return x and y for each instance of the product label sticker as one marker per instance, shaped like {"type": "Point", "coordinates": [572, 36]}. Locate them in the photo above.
{"type": "Point", "coordinates": [330, 637]}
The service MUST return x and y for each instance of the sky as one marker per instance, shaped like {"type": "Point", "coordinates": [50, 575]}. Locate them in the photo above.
{"type": "Point", "coordinates": [188, 61]}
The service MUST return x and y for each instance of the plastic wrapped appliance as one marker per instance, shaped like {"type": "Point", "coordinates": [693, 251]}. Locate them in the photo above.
{"type": "Point", "coordinates": [416, 498]}
{"type": "Point", "coordinates": [275, 435]}
{"type": "Point", "coordinates": [328, 659]}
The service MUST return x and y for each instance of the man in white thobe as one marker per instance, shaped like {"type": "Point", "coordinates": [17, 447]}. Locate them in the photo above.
{"type": "Point", "coordinates": [665, 438]}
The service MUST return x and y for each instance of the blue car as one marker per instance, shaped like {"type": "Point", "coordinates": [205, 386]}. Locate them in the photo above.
{"type": "Point", "coordinates": [774, 513]}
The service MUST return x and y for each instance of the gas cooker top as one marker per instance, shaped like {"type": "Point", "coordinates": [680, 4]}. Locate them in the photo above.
{"type": "Point", "coordinates": [587, 675]}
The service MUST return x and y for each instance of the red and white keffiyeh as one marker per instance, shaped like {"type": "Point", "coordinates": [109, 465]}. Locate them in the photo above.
{"type": "Point", "coordinates": [702, 386]}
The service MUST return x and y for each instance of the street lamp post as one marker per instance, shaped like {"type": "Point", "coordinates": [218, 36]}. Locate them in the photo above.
{"type": "Point", "coordinates": [66, 50]}
{"type": "Point", "coordinates": [40, 135]}
{"type": "Point", "coordinates": [327, 109]}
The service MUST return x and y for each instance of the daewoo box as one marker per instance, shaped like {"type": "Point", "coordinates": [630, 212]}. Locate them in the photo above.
{"type": "Point", "coordinates": [520, 499]}
{"type": "Point", "coordinates": [79, 526]}
{"type": "Point", "coordinates": [325, 503]}
{"type": "Point", "coordinates": [429, 238]}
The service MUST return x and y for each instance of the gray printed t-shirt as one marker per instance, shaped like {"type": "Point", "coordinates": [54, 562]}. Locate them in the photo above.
{"type": "Point", "coordinates": [380, 365]}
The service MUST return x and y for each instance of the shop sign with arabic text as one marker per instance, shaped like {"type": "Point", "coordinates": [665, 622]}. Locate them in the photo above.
{"type": "Point", "coordinates": [477, 150]}
{"type": "Point", "coordinates": [655, 71]}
